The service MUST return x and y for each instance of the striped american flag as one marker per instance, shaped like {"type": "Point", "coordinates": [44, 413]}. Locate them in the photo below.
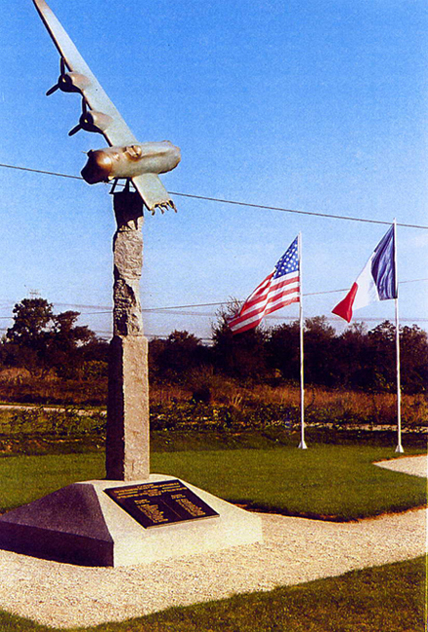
{"type": "Point", "coordinates": [280, 288]}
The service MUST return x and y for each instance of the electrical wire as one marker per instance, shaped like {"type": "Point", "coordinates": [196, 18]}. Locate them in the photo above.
{"type": "Point", "coordinates": [236, 202]}
{"type": "Point", "coordinates": [46, 173]}
{"type": "Point", "coordinates": [174, 308]}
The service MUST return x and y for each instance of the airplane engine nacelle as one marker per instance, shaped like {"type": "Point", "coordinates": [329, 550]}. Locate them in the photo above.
{"type": "Point", "coordinates": [95, 121]}
{"type": "Point", "coordinates": [92, 121]}
{"type": "Point", "coordinates": [73, 82]}
{"type": "Point", "coordinates": [70, 82]}
{"type": "Point", "coordinates": [130, 161]}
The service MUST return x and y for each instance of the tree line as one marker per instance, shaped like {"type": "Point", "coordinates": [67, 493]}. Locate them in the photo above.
{"type": "Point", "coordinates": [358, 358]}
{"type": "Point", "coordinates": [43, 342]}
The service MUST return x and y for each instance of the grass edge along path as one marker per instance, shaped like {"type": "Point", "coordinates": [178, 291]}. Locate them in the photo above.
{"type": "Point", "coordinates": [388, 598]}
{"type": "Point", "coordinates": [331, 482]}
{"type": "Point", "coordinates": [327, 481]}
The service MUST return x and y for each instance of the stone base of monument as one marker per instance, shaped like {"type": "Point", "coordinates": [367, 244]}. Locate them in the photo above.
{"type": "Point", "coordinates": [116, 523]}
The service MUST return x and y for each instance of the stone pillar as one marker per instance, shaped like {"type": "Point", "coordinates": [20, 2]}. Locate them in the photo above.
{"type": "Point", "coordinates": [127, 445]}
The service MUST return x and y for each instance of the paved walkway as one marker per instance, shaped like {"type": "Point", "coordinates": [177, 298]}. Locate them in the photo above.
{"type": "Point", "coordinates": [294, 550]}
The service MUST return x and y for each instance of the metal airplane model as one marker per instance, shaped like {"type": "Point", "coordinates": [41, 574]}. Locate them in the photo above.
{"type": "Point", "coordinates": [125, 157]}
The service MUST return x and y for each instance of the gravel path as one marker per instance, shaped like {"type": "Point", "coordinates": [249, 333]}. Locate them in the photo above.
{"type": "Point", "coordinates": [415, 465]}
{"type": "Point", "coordinates": [294, 550]}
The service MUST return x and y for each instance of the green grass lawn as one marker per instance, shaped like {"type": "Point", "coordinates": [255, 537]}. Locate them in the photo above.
{"type": "Point", "coordinates": [340, 482]}
{"type": "Point", "coordinates": [327, 480]}
{"type": "Point", "coordinates": [388, 598]}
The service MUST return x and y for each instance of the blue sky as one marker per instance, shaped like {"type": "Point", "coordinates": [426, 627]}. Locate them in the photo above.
{"type": "Point", "coordinates": [306, 105]}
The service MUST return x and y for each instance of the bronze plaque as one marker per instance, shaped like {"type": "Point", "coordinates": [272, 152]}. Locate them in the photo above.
{"type": "Point", "coordinates": [161, 503]}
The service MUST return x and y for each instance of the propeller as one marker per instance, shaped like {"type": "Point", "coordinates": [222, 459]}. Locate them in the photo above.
{"type": "Point", "coordinates": [82, 120]}
{"type": "Point", "coordinates": [69, 81]}
{"type": "Point", "coordinates": [57, 86]}
{"type": "Point", "coordinates": [91, 121]}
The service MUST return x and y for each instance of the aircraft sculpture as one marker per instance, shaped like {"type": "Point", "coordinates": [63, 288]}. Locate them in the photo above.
{"type": "Point", "coordinates": [125, 157]}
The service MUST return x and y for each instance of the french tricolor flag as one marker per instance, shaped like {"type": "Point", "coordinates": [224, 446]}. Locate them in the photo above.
{"type": "Point", "coordinates": [377, 281]}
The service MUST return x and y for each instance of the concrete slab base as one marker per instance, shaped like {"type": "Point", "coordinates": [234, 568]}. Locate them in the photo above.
{"type": "Point", "coordinates": [81, 524]}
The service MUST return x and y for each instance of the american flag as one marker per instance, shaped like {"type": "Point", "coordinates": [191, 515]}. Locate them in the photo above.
{"type": "Point", "coordinates": [280, 288]}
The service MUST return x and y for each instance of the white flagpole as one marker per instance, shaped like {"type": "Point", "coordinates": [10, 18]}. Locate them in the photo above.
{"type": "Point", "coordinates": [302, 444]}
{"type": "Point", "coordinates": [399, 447]}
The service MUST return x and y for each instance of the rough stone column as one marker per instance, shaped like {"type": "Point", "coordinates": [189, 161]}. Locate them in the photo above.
{"type": "Point", "coordinates": [127, 445]}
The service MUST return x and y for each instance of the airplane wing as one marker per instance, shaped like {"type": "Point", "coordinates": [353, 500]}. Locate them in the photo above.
{"type": "Point", "coordinates": [153, 192]}
{"type": "Point", "coordinates": [113, 127]}
{"type": "Point", "coordinates": [117, 133]}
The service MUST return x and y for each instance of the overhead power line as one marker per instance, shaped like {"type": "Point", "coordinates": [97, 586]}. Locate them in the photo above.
{"type": "Point", "coordinates": [215, 304]}
{"type": "Point", "coordinates": [287, 210]}
{"type": "Point", "coordinates": [237, 203]}
{"type": "Point", "coordinates": [103, 309]}
{"type": "Point", "coordinates": [46, 173]}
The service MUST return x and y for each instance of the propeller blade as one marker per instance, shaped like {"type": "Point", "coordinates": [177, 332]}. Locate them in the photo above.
{"type": "Point", "coordinates": [75, 130]}
{"type": "Point", "coordinates": [52, 90]}
{"type": "Point", "coordinates": [62, 70]}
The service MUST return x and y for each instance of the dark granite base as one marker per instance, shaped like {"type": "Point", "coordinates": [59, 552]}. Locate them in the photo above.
{"type": "Point", "coordinates": [82, 524]}
{"type": "Point", "coordinates": [67, 525]}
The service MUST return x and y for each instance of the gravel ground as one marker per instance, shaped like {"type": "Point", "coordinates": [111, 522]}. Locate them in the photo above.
{"type": "Point", "coordinates": [294, 550]}
{"type": "Point", "coordinates": [415, 465]}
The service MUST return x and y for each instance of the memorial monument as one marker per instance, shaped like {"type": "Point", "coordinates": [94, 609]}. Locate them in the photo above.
{"type": "Point", "coordinates": [132, 516]}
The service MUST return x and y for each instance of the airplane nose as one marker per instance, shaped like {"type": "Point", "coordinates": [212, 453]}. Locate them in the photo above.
{"type": "Point", "coordinates": [98, 167]}
{"type": "Point", "coordinates": [174, 153]}
{"type": "Point", "coordinates": [177, 155]}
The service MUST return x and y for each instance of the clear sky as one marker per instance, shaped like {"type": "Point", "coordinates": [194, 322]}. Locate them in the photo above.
{"type": "Point", "coordinates": [301, 104]}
